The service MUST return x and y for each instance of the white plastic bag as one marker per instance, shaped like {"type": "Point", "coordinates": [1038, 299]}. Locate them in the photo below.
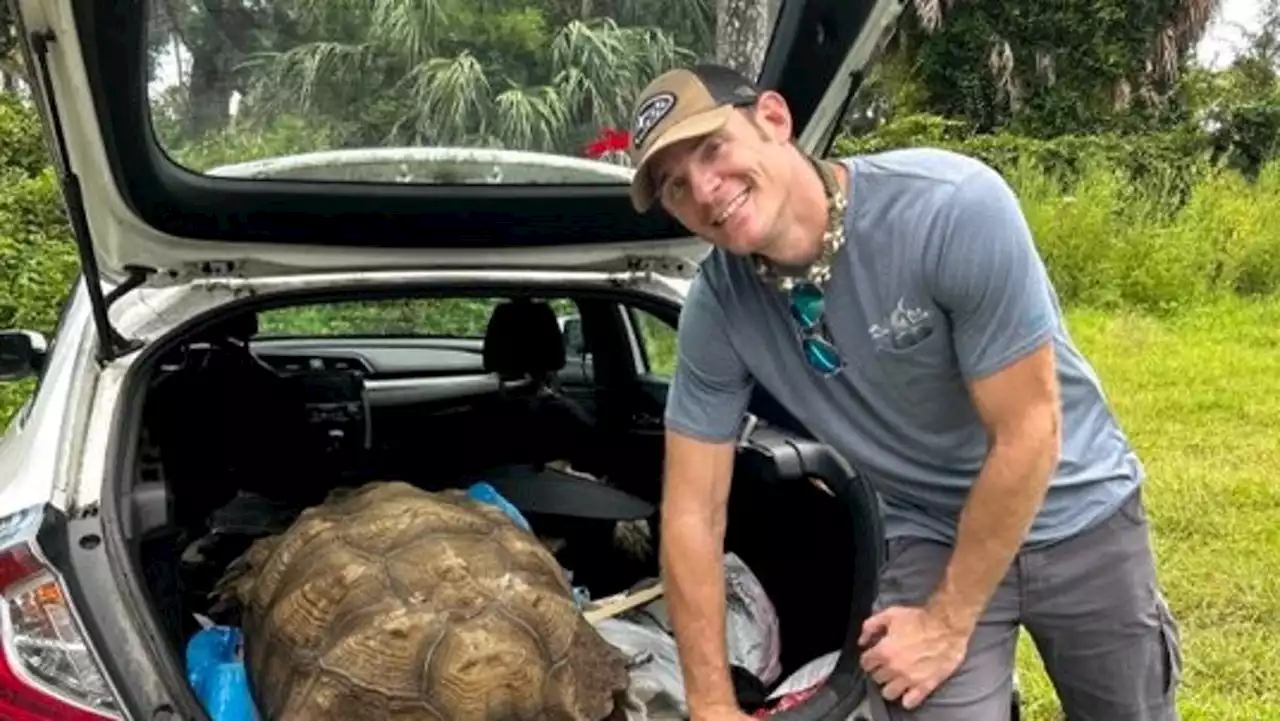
{"type": "Point", "coordinates": [655, 667]}
{"type": "Point", "coordinates": [752, 640]}
{"type": "Point", "coordinates": [752, 637]}
{"type": "Point", "coordinates": [751, 622]}
{"type": "Point", "coordinates": [809, 675]}
{"type": "Point", "coordinates": [801, 684]}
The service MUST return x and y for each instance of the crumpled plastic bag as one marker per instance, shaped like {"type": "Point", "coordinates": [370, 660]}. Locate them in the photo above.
{"type": "Point", "coordinates": [216, 673]}
{"type": "Point", "coordinates": [808, 677]}
{"type": "Point", "coordinates": [751, 623]}
{"type": "Point", "coordinates": [485, 493]}
{"type": "Point", "coordinates": [803, 683]}
{"type": "Point", "coordinates": [656, 680]}
{"type": "Point", "coordinates": [751, 635]}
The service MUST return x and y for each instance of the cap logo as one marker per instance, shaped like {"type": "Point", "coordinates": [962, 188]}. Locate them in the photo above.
{"type": "Point", "coordinates": [650, 113]}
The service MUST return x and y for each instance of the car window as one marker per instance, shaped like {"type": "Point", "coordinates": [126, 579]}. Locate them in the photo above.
{"type": "Point", "coordinates": [658, 343]}
{"type": "Point", "coordinates": [420, 317]}
{"type": "Point", "coordinates": [420, 92]}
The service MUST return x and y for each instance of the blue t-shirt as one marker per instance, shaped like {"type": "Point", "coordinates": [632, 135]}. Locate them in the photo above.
{"type": "Point", "coordinates": [939, 281]}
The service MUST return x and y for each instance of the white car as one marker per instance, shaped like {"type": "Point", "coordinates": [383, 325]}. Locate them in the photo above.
{"type": "Point", "coordinates": [161, 398]}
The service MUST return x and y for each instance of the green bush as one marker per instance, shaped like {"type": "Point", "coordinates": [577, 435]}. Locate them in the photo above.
{"type": "Point", "coordinates": [1111, 243]}
{"type": "Point", "coordinates": [22, 146]}
{"type": "Point", "coordinates": [286, 136]}
{"type": "Point", "coordinates": [452, 317]}
{"type": "Point", "coordinates": [37, 263]}
{"type": "Point", "coordinates": [37, 257]}
{"type": "Point", "coordinates": [1153, 222]}
{"type": "Point", "coordinates": [1244, 136]}
{"type": "Point", "coordinates": [1247, 135]}
{"type": "Point", "coordinates": [1173, 160]}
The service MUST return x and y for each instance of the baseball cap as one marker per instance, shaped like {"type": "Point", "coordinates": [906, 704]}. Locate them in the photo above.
{"type": "Point", "coordinates": [681, 104]}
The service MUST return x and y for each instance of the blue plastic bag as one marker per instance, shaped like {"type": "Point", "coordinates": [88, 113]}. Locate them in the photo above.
{"type": "Point", "coordinates": [486, 493]}
{"type": "Point", "coordinates": [217, 674]}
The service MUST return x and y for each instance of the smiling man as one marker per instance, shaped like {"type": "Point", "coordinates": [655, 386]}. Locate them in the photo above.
{"type": "Point", "coordinates": [896, 304]}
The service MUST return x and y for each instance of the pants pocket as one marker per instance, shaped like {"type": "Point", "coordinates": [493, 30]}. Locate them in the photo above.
{"type": "Point", "coordinates": [1172, 640]}
{"type": "Point", "coordinates": [913, 567]}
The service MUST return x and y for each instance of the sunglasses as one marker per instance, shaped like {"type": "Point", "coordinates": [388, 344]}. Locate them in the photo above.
{"type": "Point", "coordinates": [815, 339]}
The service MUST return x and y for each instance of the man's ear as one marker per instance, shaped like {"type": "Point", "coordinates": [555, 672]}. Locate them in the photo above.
{"type": "Point", "coordinates": [773, 115]}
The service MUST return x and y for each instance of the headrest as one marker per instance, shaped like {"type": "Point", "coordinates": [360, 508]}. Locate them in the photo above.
{"type": "Point", "coordinates": [523, 337]}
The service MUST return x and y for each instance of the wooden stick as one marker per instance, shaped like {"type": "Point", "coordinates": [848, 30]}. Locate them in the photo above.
{"type": "Point", "coordinates": [611, 606]}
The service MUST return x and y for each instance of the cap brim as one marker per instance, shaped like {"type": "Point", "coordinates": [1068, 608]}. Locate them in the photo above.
{"type": "Point", "coordinates": [642, 191]}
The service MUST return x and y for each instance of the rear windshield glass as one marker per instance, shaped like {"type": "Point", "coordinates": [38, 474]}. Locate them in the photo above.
{"type": "Point", "coordinates": [424, 91]}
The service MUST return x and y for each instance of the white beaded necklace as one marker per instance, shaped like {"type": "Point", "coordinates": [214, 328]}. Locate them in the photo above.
{"type": "Point", "coordinates": [818, 272]}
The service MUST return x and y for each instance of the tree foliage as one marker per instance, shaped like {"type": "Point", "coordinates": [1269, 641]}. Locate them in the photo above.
{"type": "Point", "coordinates": [545, 75]}
{"type": "Point", "coordinates": [1043, 69]}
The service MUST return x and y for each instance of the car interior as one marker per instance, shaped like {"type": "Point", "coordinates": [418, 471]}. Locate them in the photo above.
{"type": "Point", "coordinates": [557, 402]}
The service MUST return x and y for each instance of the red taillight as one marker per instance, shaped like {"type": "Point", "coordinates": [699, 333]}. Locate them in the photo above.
{"type": "Point", "coordinates": [47, 670]}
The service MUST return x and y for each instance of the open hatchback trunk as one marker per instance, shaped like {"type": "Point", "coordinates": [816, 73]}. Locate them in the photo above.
{"type": "Point", "coordinates": [252, 421]}
{"type": "Point", "coordinates": [300, 164]}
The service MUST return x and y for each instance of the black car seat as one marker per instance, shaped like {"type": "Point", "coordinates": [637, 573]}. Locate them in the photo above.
{"type": "Point", "coordinates": [224, 421]}
{"type": "Point", "coordinates": [530, 420]}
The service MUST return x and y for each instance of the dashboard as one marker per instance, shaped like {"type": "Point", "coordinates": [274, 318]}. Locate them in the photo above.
{"type": "Point", "coordinates": [398, 371]}
{"type": "Point", "coordinates": [344, 402]}
{"type": "Point", "coordinates": [382, 357]}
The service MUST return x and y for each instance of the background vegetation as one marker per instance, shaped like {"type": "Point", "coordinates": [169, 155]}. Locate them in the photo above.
{"type": "Point", "coordinates": [1152, 186]}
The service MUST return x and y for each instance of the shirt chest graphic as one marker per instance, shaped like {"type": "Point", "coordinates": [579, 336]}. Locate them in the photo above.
{"type": "Point", "coordinates": [908, 324]}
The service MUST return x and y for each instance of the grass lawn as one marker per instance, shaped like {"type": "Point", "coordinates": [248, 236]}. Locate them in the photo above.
{"type": "Point", "coordinates": [1200, 397]}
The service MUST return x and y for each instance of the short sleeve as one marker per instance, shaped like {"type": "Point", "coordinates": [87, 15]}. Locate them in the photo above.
{"type": "Point", "coordinates": [712, 387]}
{"type": "Point", "coordinates": [989, 277]}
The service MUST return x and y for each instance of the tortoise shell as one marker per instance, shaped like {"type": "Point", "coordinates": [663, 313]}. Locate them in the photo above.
{"type": "Point", "coordinates": [391, 602]}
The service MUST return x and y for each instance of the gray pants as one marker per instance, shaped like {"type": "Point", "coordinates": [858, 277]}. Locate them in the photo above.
{"type": "Point", "coordinates": [1094, 608]}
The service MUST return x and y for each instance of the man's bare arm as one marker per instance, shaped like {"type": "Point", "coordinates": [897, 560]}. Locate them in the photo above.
{"type": "Point", "coordinates": [1021, 411]}
{"type": "Point", "coordinates": [695, 495]}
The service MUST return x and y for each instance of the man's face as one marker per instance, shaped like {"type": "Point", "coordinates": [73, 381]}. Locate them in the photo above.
{"type": "Point", "coordinates": [729, 187]}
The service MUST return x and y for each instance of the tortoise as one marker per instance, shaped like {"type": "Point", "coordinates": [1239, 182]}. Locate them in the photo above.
{"type": "Point", "coordinates": [392, 602]}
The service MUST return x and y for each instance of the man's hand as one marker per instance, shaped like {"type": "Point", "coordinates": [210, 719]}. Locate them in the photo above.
{"type": "Point", "coordinates": [913, 650]}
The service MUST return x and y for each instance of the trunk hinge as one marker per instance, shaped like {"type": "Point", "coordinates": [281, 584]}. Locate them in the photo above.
{"type": "Point", "coordinates": [111, 344]}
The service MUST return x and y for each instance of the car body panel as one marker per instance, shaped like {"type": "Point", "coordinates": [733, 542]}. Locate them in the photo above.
{"type": "Point", "coordinates": [43, 440]}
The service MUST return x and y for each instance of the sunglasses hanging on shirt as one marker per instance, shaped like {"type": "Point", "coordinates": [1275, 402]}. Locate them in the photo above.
{"type": "Point", "coordinates": [805, 293]}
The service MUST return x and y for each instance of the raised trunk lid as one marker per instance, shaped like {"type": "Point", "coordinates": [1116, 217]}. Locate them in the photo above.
{"type": "Point", "coordinates": [147, 209]}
